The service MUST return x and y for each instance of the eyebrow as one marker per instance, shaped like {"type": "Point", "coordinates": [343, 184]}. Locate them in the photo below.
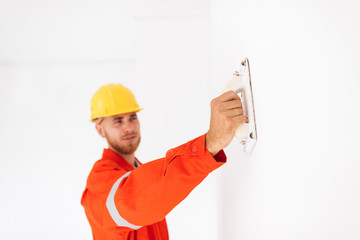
{"type": "Point", "coordinates": [121, 117]}
{"type": "Point", "coordinates": [117, 118]}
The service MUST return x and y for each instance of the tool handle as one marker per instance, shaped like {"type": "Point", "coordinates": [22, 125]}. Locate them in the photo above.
{"type": "Point", "coordinates": [244, 102]}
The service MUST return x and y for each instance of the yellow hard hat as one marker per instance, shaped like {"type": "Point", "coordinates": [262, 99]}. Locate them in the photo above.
{"type": "Point", "coordinates": [113, 99]}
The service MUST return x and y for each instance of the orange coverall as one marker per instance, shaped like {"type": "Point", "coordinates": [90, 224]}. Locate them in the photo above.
{"type": "Point", "coordinates": [125, 203]}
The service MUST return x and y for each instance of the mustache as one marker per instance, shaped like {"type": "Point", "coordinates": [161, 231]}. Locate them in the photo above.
{"type": "Point", "coordinates": [132, 134]}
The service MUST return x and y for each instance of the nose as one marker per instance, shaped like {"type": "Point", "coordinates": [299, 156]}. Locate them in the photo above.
{"type": "Point", "coordinates": [128, 127]}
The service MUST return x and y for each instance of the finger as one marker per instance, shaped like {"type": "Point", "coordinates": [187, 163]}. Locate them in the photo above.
{"type": "Point", "coordinates": [228, 96]}
{"type": "Point", "coordinates": [234, 112]}
{"type": "Point", "coordinates": [241, 119]}
{"type": "Point", "coordinates": [232, 104]}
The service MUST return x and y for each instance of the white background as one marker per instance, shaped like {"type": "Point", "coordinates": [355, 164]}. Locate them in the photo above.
{"type": "Point", "coordinates": [302, 181]}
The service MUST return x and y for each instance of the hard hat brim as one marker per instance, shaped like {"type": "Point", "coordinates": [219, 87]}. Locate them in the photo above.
{"type": "Point", "coordinates": [93, 118]}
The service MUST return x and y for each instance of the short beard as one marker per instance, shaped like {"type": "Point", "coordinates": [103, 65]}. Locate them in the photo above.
{"type": "Point", "coordinates": [123, 150]}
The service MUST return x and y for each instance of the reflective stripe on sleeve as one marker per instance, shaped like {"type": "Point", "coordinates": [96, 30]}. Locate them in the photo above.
{"type": "Point", "coordinates": [110, 204]}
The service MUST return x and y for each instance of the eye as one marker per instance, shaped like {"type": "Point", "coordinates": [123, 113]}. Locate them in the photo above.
{"type": "Point", "coordinates": [132, 118]}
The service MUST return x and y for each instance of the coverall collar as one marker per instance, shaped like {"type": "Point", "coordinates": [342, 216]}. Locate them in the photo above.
{"type": "Point", "coordinates": [110, 154]}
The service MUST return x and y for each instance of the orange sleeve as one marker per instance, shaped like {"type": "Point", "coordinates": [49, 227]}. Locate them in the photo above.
{"type": "Point", "coordinates": [152, 190]}
{"type": "Point", "coordinates": [148, 193]}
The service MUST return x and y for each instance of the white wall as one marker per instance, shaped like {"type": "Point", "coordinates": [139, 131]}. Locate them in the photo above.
{"type": "Point", "coordinates": [53, 57]}
{"type": "Point", "coordinates": [302, 182]}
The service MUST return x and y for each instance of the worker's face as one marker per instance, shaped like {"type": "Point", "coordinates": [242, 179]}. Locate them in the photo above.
{"type": "Point", "coordinates": [122, 132]}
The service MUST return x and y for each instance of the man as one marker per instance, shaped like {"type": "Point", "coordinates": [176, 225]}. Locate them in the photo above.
{"type": "Point", "coordinates": [124, 199]}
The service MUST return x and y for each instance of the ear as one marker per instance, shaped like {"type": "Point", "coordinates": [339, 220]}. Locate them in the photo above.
{"type": "Point", "coordinates": [100, 130]}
